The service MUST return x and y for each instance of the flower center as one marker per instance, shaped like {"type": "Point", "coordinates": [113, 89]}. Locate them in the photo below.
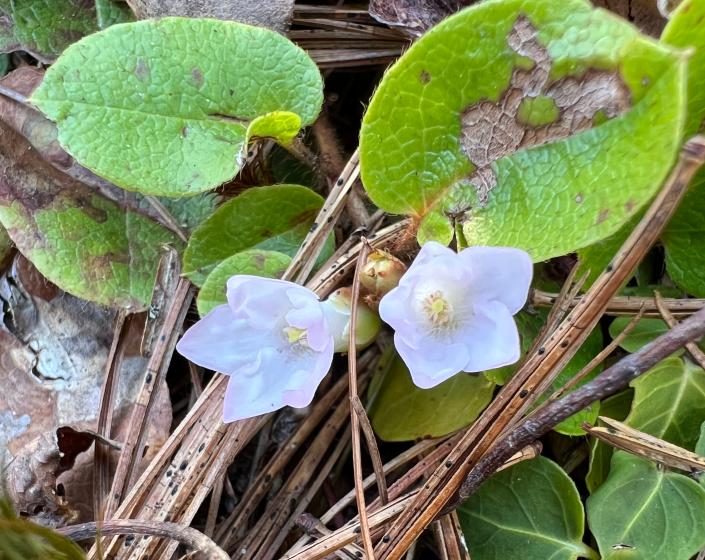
{"type": "Point", "coordinates": [438, 310]}
{"type": "Point", "coordinates": [296, 336]}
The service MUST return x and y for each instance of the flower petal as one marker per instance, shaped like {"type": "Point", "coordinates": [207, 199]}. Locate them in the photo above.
{"type": "Point", "coordinates": [282, 379]}
{"type": "Point", "coordinates": [262, 301]}
{"type": "Point", "coordinates": [499, 273]}
{"type": "Point", "coordinates": [492, 338]}
{"type": "Point", "coordinates": [432, 362]}
{"type": "Point", "coordinates": [220, 342]}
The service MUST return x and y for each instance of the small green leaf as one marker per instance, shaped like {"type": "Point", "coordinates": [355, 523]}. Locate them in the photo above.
{"type": "Point", "coordinates": [255, 262]}
{"type": "Point", "coordinates": [646, 330]}
{"type": "Point", "coordinates": [44, 27]}
{"type": "Point", "coordinates": [148, 106]}
{"type": "Point", "coordinates": [660, 515]}
{"type": "Point", "coordinates": [274, 218]}
{"type": "Point", "coordinates": [669, 402]}
{"type": "Point", "coordinates": [189, 212]}
{"type": "Point", "coordinates": [84, 243]}
{"type": "Point", "coordinates": [530, 511]}
{"type": "Point", "coordinates": [456, 131]}
{"type": "Point", "coordinates": [617, 407]}
{"type": "Point", "coordinates": [700, 445]}
{"type": "Point", "coordinates": [400, 411]}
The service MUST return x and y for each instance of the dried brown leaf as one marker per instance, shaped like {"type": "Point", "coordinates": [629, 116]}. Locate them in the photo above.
{"type": "Point", "coordinates": [275, 14]}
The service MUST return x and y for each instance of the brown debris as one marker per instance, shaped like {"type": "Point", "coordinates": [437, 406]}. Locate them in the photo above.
{"type": "Point", "coordinates": [492, 130]}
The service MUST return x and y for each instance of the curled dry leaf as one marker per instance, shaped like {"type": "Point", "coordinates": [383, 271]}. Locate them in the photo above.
{"type": "Point", "coordinates": [53, 352]}
{"type": "Point", "coordinates": [414, 16]}
{"type": "Point", "coordinates": [275, 14]}
{"type": "Point", "coordinates": [647, 15]}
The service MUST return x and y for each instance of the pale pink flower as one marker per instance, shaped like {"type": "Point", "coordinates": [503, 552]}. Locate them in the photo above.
{"type": "Point", "coordinates": [271, 338]}
{"type": "Point", "coordinates": [453, 312]}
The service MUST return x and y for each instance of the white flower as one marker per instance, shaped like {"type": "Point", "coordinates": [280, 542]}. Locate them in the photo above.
{"type": "Point", "coordinates": [271, 338]}
{"type": "Point", "coordinates": [452, 312]}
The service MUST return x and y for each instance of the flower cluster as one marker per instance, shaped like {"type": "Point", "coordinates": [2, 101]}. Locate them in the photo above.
{"type": "Point", "coordinates": [450, 312]}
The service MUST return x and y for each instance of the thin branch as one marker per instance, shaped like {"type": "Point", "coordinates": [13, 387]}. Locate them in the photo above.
{"type": "Point", "coordinates": [354, 418]}
{"type": "Point", "coordinates": [609, 382]}
{"type": "Point", "coordinates": [691, 347]}
{"type": "Point", "coordinates": [101, 458]}
{"type": "Point", "coordinates": [597, 360]}
{"type": "Point", "coordinates": [187, 536]}
{"type": "Point", "coordinates": [627, 305]}
{"type": "Point", "coordinates": [369, 434]}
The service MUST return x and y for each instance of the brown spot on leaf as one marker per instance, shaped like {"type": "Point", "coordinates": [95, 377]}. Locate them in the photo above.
{"type": "Point", "coordinates": [184, 131]}
{"type": "Point", "coordinates": [579, 198]}
{"type": "Point", "coordinates": [424, 77]}
{"type": "Point", "coordinates": [603, 215]}
{"type": "Point", "coordinates": [141, 70]}
{"type": "Point", "coordinates": [260, 259]}
{"type": "Point", "coordinates": [197, 76]}
{"type": "Point", "coordinates": [629, 206]}
{"type": "Point", "coordinates": [492, 130]}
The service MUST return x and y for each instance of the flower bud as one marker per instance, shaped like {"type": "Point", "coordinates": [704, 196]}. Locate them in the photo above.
{"type": "Point", "coordinates": [337, 309]}
{"type": "Point", "coordinates": [381, 273]}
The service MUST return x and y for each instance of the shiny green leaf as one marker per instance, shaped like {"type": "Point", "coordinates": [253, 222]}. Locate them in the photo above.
{"type": "Point", "coordinates": [657, 515]}
{"type": "Point", "coordinates": [400, 411]}
{"type": "Point", "coordinates": [255, 262]}
{"type": "Point", "coordinates": [273, 218]}
{"type": "Point", "coordinates": [530, 511]}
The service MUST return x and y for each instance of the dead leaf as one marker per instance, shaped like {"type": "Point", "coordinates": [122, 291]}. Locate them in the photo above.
{"type": "Point", "coordinates": [53, 352]}
{"type": "Point", "coordinates": [645, 14]}
{"type": "Point", "coordinates": [414, 17]}
{"type": "Point", "coordinates": [275, 14]}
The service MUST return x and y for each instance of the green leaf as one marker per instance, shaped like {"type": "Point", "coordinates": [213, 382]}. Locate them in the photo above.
{"type": "Point", "coordinates": [84, 243]}
{"type": "Point", "coordinates": [684, 238]}
{"type": "Point", "coordinates": [685, 29]}
{"type": "Point", "coordinates": [457, 95]}
{"type": "Point", "coordinates": [189, 212]}
{"type": "Point", "coordinates": [401, 411]}
{"type": "Point", "coordinates": [669, 402]}
{"type": "Point", "coordinates": [530, 511]}
{"type": "Point", "coordinates": [660, 515]}
{"type": "Point", "coordinates": [529, 325]}
{"type": "Point", "coordinates": [700, 445]}
{"type": "Point", "coordinates": [646, 330]}
{"type": "Point", "coordinates": [274, 218]}
{"type": "Point", "coordinates": [617, 407]}
{"type": "Point", "coordinates": [44, 27]}
{"type": "Point", "coordinates": [148, 106]}
{"type": "Point", "coordinates": [255, 262]}
{"type": "Point", "coordinates": [110, 12]}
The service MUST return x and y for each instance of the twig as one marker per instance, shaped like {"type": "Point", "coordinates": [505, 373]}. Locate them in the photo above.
{"type": "Point", "coordinates": [303, 262]}
{"type": "Point", "coordinates": [450, 539]}
{"type": "Point", "coordinates": [354, 419]}
{"type": "Point", "coordinates": [101, 459]}
{"type": "Point", "coordinates": [645, 445]}
{"type": "Point", "coordinates": [612, 380]}
{"type": "Point", "coordinates": [214, 506]}
{"type": "Point", "coordinates": [627, 305]}
{"type": "Point", "coordinates": [597, 360]}
{"type": "Point", "coordinates": [139, 420]}
{"type": "Point", "coordinates": [166, 216]}
{"type": "Point", "coordinates": [369, 434]}
{"type": "Point", "coordinates": [313, 527]}
{"type": "Point", "coordinates": [185, 535]}
{"type": "Point", "coordinates": [691, 347]}
{"type": "Point", "coordinates": [540, 368]}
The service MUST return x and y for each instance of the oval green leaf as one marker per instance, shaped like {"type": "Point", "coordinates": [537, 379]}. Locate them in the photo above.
{"type": "Point", "coordinates": [273, 218]}
{"type": "Point", "coordinates": [456, 132]}
{"type": "Point", "coordinates": [646, 330]}
{"type": "Point", "coordinates": [165, 106]}
{"type": "Point", "coordinates": [400, 411]}
{"type": "Point", "coordinates": [530, 511]}
{"type": "Point", "coordinates": [654, 514]}
{"type": "Point", "coordinates": [256, 262]}
{"type": "Point", "coordinates": [669, 402]}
